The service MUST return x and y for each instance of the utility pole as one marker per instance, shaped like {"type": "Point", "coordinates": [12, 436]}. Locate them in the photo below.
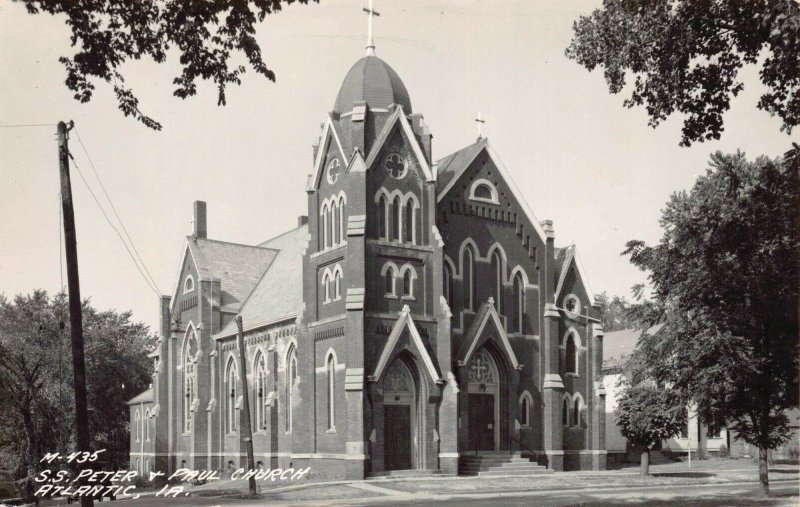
{"type": "Point", "coordinates": [73, 284]}
{"type": "Point", "coordinates": [247, 431]}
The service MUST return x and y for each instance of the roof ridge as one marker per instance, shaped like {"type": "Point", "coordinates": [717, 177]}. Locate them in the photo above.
{"type": "Point", "coordinates": [280, 236]}
{"type": "Point", "coordinates": [231, 243]}
{"type": "Point", "coordinates": [450, 155]}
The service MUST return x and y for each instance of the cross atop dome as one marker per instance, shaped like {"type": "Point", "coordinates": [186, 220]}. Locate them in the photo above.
{"type": "Point", "coordinates": [371, 13]}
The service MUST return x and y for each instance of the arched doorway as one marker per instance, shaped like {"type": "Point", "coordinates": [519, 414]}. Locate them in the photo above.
{"type": "Point", "coordinates": [399, 417]}
{"type": "Point", "coordinates": [483, 402]}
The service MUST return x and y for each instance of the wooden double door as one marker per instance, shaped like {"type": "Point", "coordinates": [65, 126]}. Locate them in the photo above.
{"type": "Point", "coordinates": [397, 437]}
{"type": "Point", "coordinates": [481, 421]}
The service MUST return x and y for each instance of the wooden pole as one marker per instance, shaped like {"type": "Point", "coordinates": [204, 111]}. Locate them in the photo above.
{"type": "Point", "coordinates": [73, 285]}
{"type": "Point", "coordinates": [247, 431]}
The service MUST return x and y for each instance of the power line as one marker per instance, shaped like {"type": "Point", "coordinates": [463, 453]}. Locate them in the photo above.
{"type": "Point", "coordinates": [28, 125]}
{"type": "Point", "coordinates": [114, 209]}
{"type": "Point", "coordinates": [80, 173]}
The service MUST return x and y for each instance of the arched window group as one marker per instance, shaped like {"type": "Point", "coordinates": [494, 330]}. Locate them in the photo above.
{"type": "Point", "coordinates": [332, 283]}
{"type": "Point", "coordinates": [571, 409]}
{"type": "Point", "coordinates": [261, 392]}
{"type": "Point", "coordinates": [332, 221]}
{"type": "Point", "coordinates": [231, 398]}
{"type": "Point", "coordinates": [402, 278]}
{"type": "Point", "coordinates": [498, 278]}
{"type": "Point", "coordinates": [189, 381]}
{"type": "Point", "coordinates": [397, 216]}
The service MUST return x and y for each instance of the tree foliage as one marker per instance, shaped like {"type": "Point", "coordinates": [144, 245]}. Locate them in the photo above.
{"type": "Point", "coordinates": [615, 312]}
{"type": "Point", "coordinates": [724, 278]}
{"type": "Point", "coordinates": [647, 414]}
{"type": "Point", "coordinates": [36, 395]}
{"type": "Point", "coordinates": [207, 36]}
{"type": "Point", "coordinates": [685, 57]}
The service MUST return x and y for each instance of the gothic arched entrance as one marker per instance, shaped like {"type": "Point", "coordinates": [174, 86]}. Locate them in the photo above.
{"type": "Point", "coordinates": [483, 402]}
{"type": "Point", "coordinates": [400, 416]}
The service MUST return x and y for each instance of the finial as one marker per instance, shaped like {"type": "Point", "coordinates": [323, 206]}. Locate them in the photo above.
{"type": "Point", "coordinates": [371, 13]}
{"type": "Point", "coordinates": [480, 121]}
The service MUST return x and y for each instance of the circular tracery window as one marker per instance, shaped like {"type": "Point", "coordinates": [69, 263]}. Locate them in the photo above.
{"type": "Point", "coordinates": [334, 168]}
{"type": "Point", "coordinates": [396, 165]}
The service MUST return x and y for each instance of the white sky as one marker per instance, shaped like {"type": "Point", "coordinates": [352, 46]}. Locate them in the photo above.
{"type": "Point", "coordinates": [578, 156]}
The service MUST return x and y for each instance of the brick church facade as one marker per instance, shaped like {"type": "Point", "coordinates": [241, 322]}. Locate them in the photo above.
{"type": "Point", "coordinates": [419, 315]}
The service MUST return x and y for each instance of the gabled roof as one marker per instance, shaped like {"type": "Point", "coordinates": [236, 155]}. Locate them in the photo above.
{"type": "Point", "coordinates": [143, 397]}
{"type": "Point", "coordinates": [451, 167]}
{"type": "Point", "coordinates": [457, 163]}
{"type": "Point", "coordinates": [279, 293]}
{"type": "Point", "coordinates": [329, 134]}
{"type": "Point", "coordinates": [398, 116]}
{"type": "Point", "coordinates": [568, 255]}
{"type": "Point", "coordinates": [472, 340]}
{"type": "Point", "coordinates": [237, 267]}
{"type": "Point", "coordinates": [404, 321]}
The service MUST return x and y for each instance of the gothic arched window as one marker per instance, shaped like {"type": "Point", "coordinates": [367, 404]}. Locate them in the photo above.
{"type": "Point", "coordinates": [231, 394]}
{"type": "Point", "coordinates": [389, 279]}
{"type": "Point", "coordinates": [146, 425]}
{"type": "Point", "coordinates": [409, 222]}
{"type": "Point", "coordinates": [448, 285]}
{"type": "Point", "coordinates": [336, 233]}
{"type": "Point", "coordinates": [468, 273]}
{"type": "Point", "coordinates": [137, 422]}
{"type": "Point", "coordinates": [189, 391]}
{"type": "Point", "coordinates": [337, 283]}
{"type": "Point", "coordinates": [519, 303]}
{"type": "Point", "coordinates": [382, 218]}
{"type": "Point", "coordinates": [395, 219]}
{"type": "Point", "coordinates": [407, 284]}
{"type": "Point", "coordinates": [341, 220]}
{"type": "Point", "coordinates": [576, 412]}
{"type": "Point", "coordinates": [261, 392]}
{"type": "Point", "coordinates": [291, 381]}
{"type": "Point", "coordinates": [331, 370]}
{"type": "Point", "coordinates": [565, 411]}
{"type": "Point", "coordinates": [571, 355]}
{"type": "Point", "coordinates": [497, 281]}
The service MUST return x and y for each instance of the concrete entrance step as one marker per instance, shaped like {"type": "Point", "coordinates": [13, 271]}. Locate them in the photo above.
{"type": "Point", "coordinates": [504, 473]}
{"type": "Point", "coordinates": [403, 473]}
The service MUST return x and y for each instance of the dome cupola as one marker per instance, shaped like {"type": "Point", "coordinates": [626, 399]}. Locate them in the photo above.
{"type": "Point", "coordinates": [373, 81]}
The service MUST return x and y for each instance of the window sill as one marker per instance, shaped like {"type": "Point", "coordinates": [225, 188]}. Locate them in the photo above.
{"type": "Point", "coordinates": [409, 298]}
{"type": "Point", "coordinates": [330, 431]}
{"type": "Point", "coordinates": [572, 374]}
{"type": "Point", "coordinates": [390, 296]}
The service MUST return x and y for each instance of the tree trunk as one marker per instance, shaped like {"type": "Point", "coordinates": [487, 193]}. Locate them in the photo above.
{"type": "Point", "coordinates": [702, 440]}
{"type": "Point", "coordinates": [763, 470]}
{"type": "Point", "coordinates": [644, 467]}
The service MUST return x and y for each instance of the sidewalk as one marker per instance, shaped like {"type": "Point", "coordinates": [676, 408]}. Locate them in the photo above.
{"type": "Point", "coordinates": [708, 472]}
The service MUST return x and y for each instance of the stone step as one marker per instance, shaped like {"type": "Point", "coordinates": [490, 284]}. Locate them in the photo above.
{"type": "Point", "coordinates": [509, 469]}
{"type": "Point", "coordinates": [503, 473]}
{"type": "Point", "coordinates": [404, 473]}
{"type": "Point", "coordinates": [498, 459]}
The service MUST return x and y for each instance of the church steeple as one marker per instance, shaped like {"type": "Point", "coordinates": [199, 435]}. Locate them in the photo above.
{"type": "Point", "coordinates": [371, 13]}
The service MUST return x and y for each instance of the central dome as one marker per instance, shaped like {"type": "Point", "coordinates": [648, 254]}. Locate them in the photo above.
{"type": "Point", "coordinates": [371, 80]}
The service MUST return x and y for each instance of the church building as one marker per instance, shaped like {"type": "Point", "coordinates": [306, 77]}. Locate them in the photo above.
{"type": "Point", "coordinates": [419, 317]}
